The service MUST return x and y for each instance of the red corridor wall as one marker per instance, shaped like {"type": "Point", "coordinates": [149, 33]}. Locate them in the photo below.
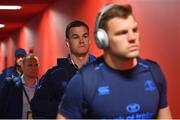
{"type": "Point", "coordinates": [159, 23]}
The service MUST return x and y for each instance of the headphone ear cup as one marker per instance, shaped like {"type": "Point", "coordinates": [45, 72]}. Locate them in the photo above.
{"type": "Point", "coordinates": [102, 40]}
{"type": "Point", "coordinates": [100, 34]}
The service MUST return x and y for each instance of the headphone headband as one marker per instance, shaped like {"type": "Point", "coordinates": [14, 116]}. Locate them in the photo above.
{"type": "Point", "coordinates": [101, 13]}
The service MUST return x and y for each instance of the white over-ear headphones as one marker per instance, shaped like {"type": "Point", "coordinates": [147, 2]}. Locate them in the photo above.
{"type": "Point", "coordinates": [101, 37]}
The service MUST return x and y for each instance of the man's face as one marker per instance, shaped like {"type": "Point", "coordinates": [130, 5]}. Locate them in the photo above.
{"type": "Point", "coordinates": [19, 60]}
{"type": "Point", "coordinates": [30, 67]}
{"type": "Point", "coordinates": [78, 41]}
{"type": "Point", "coordinates": [123, 38]}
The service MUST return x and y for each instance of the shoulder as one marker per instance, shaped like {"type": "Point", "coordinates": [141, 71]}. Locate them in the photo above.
{"type": "Point", "coordinates": [91, 58]}
{"type": "Point", "coordinates": [12, 68]}
{"type": "Point", "coordinates": [149, 63]}
{"type": "Point", "coordinates": [155, 69]}
{"type": "Point", "coordinates": [93, 66]}
{"type": "Point", "coordinates": [61, 63]}
{"type": "Point", "coordinates": [56, 70]}
{"type": "Point", "coordinates": [49, 74]}
{"type": "Point", "coordinates": [12, 81]}
{"type": "Point", "coordinates": [10, 71]}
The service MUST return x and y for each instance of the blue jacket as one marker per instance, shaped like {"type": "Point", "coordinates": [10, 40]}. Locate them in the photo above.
{"type": "Point", "coordinates": [11, 99]}
{"type": "Point", "coordinates": [8, 72]}
{"type": "Point", "coordinates": [52, 86]}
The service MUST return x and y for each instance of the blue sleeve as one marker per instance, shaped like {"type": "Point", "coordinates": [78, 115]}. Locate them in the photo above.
{"type": "Point", "coordinates": [163, 93]}
{"type": "Point", "coordinates": [71, 104]}
{"type": "Point", "coordinates": [8, 71]}
{"type": "Point", "coordinates": [3, 76]}
{"type": "Point", "coordinates": [5, 93]}
{"type": "Point", "coordinates": [1, 80]}
{"type": "Point", "coordinates": [162, 86]}
{"type": "Point", "coordinates": [160, 82]}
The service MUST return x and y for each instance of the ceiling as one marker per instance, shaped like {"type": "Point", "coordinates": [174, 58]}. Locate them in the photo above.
{"type": "Point", "coordinates": [14, 19]}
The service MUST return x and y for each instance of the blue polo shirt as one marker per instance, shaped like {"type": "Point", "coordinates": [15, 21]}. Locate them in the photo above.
{"type": "Point", "coordinates": [130, 94]}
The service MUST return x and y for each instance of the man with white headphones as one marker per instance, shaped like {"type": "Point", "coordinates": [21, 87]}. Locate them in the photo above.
{"type": "Point", "coordinates": [118, 85]}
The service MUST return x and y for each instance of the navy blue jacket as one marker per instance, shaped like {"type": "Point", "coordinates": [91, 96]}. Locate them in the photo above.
{"type": "Point", "coordinates": [11, 99]}
{"type": "Point", "coordinates": [8, 72]}
{"type": "Point", "coordinates": [51, 88]}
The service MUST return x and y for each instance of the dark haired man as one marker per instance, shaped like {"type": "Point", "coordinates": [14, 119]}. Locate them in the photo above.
{"type": "Point", "coordinates": [53, 83]}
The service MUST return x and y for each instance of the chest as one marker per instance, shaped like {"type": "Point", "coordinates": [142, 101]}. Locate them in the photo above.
{"type": "Point", "coordinates": [129, 95]}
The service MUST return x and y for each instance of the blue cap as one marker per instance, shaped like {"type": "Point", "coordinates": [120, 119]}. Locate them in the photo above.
{"type": "Point", "coordinates": [20, 52]}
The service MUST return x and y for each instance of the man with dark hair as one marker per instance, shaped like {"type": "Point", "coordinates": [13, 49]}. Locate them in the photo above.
{"type": "Point", "coordinates": [17, 92]}
{"type": "Point", "coordinates": [53, 83]}
{"type": "Point", "coordinates": [118, 85]}
{"type": "Point", "coordinates": [14, 71]}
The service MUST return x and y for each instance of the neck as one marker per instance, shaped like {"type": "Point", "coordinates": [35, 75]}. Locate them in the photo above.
{"type": "Point", "coordinates": [79, 60]}
{"type": "Point", "coordinates": [30, 82]}
{"type": "Point", "coordinates": [119, 63]}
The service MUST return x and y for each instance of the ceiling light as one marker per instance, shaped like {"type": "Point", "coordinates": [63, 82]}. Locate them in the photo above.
{"type": "Point", "coordinates": [2, 25]}
{"type": "Point", "coordinates": [10, 7]}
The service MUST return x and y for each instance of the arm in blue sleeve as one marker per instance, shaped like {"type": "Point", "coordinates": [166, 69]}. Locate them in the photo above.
{"type": "Point", "coordinates": [71, 104]}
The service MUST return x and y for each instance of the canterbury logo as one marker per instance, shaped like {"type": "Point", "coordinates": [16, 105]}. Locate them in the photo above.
{"type": "Point", "coordinates": [103, 90]}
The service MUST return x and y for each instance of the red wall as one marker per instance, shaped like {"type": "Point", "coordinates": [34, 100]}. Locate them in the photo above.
{"type": "Point", "coordinates": [2, 55]}
{"type": "Point", "coordinates": [159, 22]}
{"type": "Point", "coordinates": [9, 52]}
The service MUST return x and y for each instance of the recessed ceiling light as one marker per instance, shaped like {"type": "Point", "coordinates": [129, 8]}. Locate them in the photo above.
{"type": "Point", "coordinates": [10, 7]}
{"type": "Point", "coordinates": [2, 25]}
